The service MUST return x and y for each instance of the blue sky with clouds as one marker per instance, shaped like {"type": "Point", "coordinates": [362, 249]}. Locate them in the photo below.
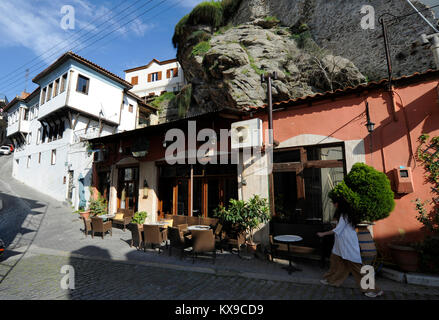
{"type": "Point", "coordinates": [115, 34]}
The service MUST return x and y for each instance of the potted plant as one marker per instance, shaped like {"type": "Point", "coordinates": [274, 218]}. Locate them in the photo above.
{"type": "Point", "coordinates": [139, 219]}
{"type": "Point", "coordinates": [136, 228]}
{"type": "Point", "coordinates": [98, 206]}
{"type": "Point", "coordinates": [368, 193]}
{"type": "Point", "coordinates": [246, 216]}
{"type": "Point", "coordinates": [83, 213]}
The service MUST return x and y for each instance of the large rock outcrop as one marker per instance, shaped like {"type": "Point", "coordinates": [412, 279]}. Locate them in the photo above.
{"type": "Point", "coordinates": [336, 26]}
{"type": "Point", "coordinates": [313, 45]}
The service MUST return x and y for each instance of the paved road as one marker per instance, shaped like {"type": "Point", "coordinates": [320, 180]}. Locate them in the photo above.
{"type": "Point", "coordinates": [39, 277]}
{"type": "Point", "coordinates": [43, 236]}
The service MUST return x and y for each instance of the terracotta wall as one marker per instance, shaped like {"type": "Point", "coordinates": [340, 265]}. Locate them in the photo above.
{"type": "Point", "coordinates": [392, 143]}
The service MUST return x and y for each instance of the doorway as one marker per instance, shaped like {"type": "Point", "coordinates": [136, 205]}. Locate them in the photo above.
{"type": "Point", "coordinates": [128, 188]}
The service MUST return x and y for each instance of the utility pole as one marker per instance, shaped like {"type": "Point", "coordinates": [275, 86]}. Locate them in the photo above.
{"type": "Point", "coordinates": [271, 142]}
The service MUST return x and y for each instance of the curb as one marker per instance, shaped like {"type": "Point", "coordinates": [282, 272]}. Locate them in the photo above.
{"type": "Point", "coordinates": [410, 278]}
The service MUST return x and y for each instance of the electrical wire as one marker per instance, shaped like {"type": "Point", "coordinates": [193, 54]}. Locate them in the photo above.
{"type": "Point", "coordinates": [40, 66]}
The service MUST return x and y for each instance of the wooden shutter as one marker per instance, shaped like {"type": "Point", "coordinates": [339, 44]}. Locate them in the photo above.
{"type": "Point", "coordinates": [175, 72]}
{"type": "Point", "coordinates": [168, 73]}
{"type": "Point", "coordinates": [134, 80]}
{"type": "Point", "coordinates": [159, 76]}
{"type": "Point", "coordinates": [149, 77]}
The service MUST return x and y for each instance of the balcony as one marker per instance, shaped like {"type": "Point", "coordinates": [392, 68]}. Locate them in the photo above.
{"type": "Point", "coordinates": [21, 125]}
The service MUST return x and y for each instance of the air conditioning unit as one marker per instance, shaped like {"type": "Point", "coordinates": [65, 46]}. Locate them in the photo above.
{"type": "Point", "coordinates": [246, 134]}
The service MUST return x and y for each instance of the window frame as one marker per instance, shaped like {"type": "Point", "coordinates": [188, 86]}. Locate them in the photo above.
{"type": "Point", "coordinates": [53, 157]}
{"type": "Point", "coordinates": [80, 76]}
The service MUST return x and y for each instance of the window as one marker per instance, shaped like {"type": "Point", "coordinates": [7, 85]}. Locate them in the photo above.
{"type": "Point", "coordinates": [38, 136]}
{"type": "Point", "coordinates": [26, 114]}
{"type": "Point", "coordinates": [130, 108]}
{"type": "Point", "coordinates": [55, 88]}
{"type": "Point", "coordinates": [156, 76]}
{"type": "Point", "coordinates": [83, 84]}
{"type": "Point", "coordinates": [43, 96]}
{"type": "Point", "coordinates": [53, 158]}
{"type": "Point", "coordinates": [28, 161]}
{"type": "Point", "coordinates": [134, 80]}
{"type": "Point", "coordinates": [172, 73]}
{"type": "Point", "coordinates": [49, 92]}
{"type": "Point", "coordinates": [39, 157]}
{"type": "Point", "coordinates": [63, 83]}
{"type": "Point", "coordinates": [303, 177]}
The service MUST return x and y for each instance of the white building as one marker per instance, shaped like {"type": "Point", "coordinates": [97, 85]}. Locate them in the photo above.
{"type": "Point", "coordinates": [156, 78]}
{"type": "Point", "coordinates": [76, 100]}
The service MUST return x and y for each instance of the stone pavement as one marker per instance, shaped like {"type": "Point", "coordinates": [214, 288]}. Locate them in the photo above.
{"type": "Point", "coordinates": [50, 236]}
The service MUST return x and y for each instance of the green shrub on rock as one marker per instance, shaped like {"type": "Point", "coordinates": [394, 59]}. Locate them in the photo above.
{"type": "Point", "coordinates": [367, 191]}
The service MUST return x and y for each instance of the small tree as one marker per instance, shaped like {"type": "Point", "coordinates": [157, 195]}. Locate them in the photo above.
{"type": "Point", "coordinates": [367, 191]}
{"type": "Point", "coordinates": [139, 217]}
{"type": "Point", "coordinates": [245, 215]}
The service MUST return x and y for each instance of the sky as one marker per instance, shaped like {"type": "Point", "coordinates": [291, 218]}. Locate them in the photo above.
{"type": "Point", "coordinates": [115, 34]}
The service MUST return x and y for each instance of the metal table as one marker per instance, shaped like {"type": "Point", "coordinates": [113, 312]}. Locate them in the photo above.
{"type": "Point", "coordinates": [288, 239]}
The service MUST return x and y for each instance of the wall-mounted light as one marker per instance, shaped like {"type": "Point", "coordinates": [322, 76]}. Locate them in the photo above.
{"type": "Point", "coordinates": [369, 125]}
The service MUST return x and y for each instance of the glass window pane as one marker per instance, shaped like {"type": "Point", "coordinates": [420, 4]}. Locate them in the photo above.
{"type": "Point", "coordinates": [318, 183]}
{"type": "Point", "coordinates": [325, 153]}
{"type": "Point", "coordinates": [286, 156]}
{"type": "Point", "coordinates": [285, 197]}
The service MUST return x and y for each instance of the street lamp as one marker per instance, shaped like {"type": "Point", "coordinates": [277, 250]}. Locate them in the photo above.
{"type": "Point", "coordinates": [369, 125]}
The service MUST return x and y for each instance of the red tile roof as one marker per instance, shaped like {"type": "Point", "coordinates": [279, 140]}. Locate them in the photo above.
{"type": "Point", "coordinates": [74, 56]}
{"type": "Point", "coordinates": [149, 64]}
{"type": "Point", "coordinates": [370, 85]}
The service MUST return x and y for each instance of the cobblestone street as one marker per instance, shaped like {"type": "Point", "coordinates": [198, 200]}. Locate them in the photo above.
{"type": "Point", "coordinates": [39, 277]}
{"type": "Point", "coordinates": [42, 235]}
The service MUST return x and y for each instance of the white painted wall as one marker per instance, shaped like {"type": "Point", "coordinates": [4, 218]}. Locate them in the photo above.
{"type": "Point", "coordinates": [144, 88]}
{"type": "Point", "coordinates": [104, 100]}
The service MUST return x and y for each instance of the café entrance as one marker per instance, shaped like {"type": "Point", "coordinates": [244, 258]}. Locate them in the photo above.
{"type": "Point", "coordinates": [212, 185]}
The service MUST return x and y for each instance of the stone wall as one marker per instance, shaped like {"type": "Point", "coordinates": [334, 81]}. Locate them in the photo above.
{"type": "Point", "coordinates": [335, 25]}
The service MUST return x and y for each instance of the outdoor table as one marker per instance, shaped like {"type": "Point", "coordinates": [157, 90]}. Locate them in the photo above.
{"type": "Point", "coordinates": [289, 239]}
{"type": "Point", "coordinates": [106, 216]}
{"type": "Point", "coordinates": [198, 227]}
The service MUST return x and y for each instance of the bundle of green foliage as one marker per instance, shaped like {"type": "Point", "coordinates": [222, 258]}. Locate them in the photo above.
{"type": "Point", "coordinates": [211, 13]}
{"type": "Point", "coordinates": [367, 193]}
{"type": "Point", "coordinates": [98, 206]}
{"type": "Point", "coordinates": [243, 215]}
{"type": "Point", "coordinates": [139, 217]}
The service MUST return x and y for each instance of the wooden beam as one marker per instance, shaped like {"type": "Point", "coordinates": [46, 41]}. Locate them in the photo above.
{"type": "Point", "coordinates": [88, 124]}
{"type": "Point", "coordinates": [287, 167]}
{"type": "Point", "coordinates": [76, 117]}
{"type": "Point", "coordinates": [324, 164]}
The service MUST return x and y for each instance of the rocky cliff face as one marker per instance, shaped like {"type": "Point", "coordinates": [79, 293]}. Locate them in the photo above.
{"type": "Point", "coordinates": [335, 25]}
{"type": "Point", "coordinates": [313, 45]}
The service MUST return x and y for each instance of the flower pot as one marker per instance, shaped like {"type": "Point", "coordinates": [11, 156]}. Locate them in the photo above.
{"type": "Point", "coordinates": [404, 256]}
{"type": "Point", "coordinates": [367, 245]}
{"type": "Point", "coordinates": [252, 247]}
{"type": "Point", "coordinates": [85, 214]}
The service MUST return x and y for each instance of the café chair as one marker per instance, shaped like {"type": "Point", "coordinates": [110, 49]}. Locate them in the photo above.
{"type": "Point", "coordinates": [98, 225]}
{"type": "Point", "coordinates": [178, 241]}
{"type": "Point", "coordinates": [154, 235]}
{"type": "Point", "coordinates": [203, 242]}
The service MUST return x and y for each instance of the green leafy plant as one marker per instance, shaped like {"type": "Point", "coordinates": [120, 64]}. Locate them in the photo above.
{"type": "Point", "coordinates": [157, 102]}
{"type": "Point", "coordinates": [201, 48]}
{"type": "Point", "coordinates": [367, 192]}
{"type": "Point", "coordinates": [98, 206]}
{"type": "Point", "coordinates": [139, 217]}
{"type": "Point", "coordinates": [245, 215]}
{"type": "Point", "coordinates": [271, 19]}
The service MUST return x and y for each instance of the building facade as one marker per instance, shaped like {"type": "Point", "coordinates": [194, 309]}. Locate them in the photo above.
{"type": "Point", "coordinates": [3, 120]}
{"type": "Point", "coordinates": [75, 100]}
{"type": "Point", "coordinates": [156, 78]}
{"type": "Point", "coordinates": [320, 138]}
